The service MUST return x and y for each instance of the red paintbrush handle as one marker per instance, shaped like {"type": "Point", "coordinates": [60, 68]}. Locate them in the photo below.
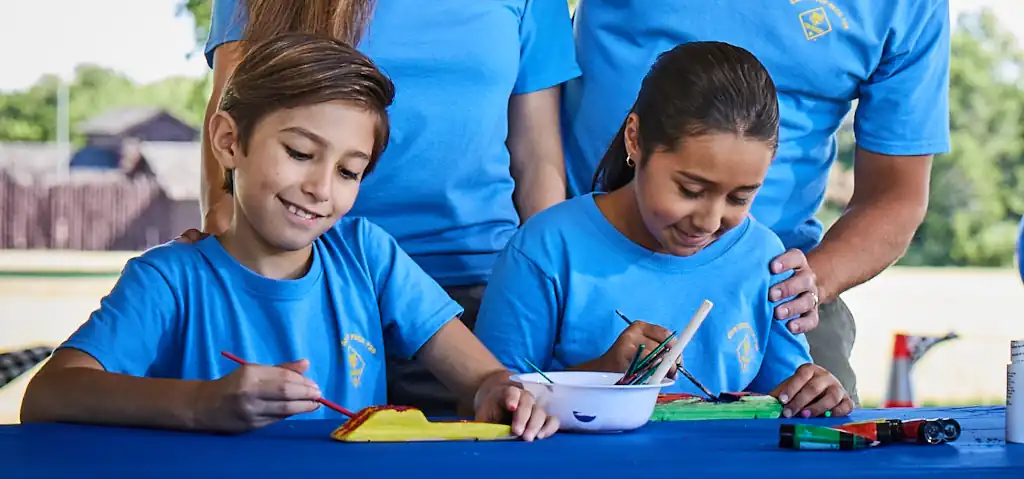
{"type": "Point", "coordinates": [323, 401]}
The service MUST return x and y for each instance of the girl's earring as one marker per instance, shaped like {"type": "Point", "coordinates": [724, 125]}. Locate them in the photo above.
{"type": "Point", "coordinates": [629, 162]}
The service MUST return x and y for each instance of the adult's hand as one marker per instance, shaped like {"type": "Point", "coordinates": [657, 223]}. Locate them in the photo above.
{"type": "Point", "coordinates": [191, 236]}
{"type": "Point", "coordinates": [801, 289]}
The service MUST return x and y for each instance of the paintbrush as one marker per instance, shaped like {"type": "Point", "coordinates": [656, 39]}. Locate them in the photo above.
{"type": "Point", "coordinates": [684, 338]}
{"type": "Point", "coordinates": [535, 368]}
{"type": "Point", "coordinates": [323, 401]}
{"type": "Point", "coordinates": [685, 373]}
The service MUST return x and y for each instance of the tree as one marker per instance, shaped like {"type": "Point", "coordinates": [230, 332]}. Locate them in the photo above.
{"type": "Point", "coordinates": [977, 195]}
{"type": "Point", "coordinates": [31, 115]}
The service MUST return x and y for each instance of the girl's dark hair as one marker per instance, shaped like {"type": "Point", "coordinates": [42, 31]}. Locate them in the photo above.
{"type": "Point", "coordinates": [298, 69]}
{"type": "Point", "coordinates": [695, 89]}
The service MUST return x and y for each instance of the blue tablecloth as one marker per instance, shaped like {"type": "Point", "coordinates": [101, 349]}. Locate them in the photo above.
{"type": "Point", "coordinates": [705, 449]}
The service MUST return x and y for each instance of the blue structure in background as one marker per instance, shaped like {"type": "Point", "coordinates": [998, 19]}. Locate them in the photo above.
{"type": "Point", "coordinates": [1019, 253]}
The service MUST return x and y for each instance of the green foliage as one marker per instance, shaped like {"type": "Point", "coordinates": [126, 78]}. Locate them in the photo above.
{"type": "Point", "coordinates": [200, 11]}
{"type": "Point", "coordinates": [977, 194]}
{"type": "Point", "coordinates": [31, 115]}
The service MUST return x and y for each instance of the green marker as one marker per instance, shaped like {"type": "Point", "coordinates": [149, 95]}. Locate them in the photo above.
{"type": "Point", "coordinates": [819, 438]}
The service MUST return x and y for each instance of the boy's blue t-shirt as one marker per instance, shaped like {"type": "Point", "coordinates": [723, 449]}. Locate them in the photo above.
{"type": "Point", "coordinates": [892, 56]}
{"type": "Point", "coordinates": [443, 188]}
{"type": "Point", "coordinates": [556, 287]}
{"type": "Point", "coordinates": [177, 306]}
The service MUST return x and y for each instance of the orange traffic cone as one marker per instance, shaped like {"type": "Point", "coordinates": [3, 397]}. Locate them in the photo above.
{"type": "Point", "coordinates": [906, 351]}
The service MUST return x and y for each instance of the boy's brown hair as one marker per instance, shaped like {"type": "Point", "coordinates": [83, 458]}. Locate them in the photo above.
{"type": "Point", "coordinates": [300, 69]}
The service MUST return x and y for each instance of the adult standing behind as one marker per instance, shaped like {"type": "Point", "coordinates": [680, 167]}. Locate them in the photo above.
{"type": "Point", "coordinates": [893, 57]}
{"type": "Point", "coordinates": [475, 146]}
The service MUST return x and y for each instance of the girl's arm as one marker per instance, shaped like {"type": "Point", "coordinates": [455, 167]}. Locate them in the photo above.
{"type": "Point", "coordinates": [215, 203]}
{"type": "Point", "coordinates": [535, 149]}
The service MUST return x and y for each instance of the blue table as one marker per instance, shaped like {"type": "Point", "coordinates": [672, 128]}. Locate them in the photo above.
{"type": "Point", "coordinates": [705, 449]}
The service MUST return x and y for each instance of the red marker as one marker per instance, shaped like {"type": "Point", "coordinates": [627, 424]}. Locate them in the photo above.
{"type": "Point", "coordinates": [323, 401]}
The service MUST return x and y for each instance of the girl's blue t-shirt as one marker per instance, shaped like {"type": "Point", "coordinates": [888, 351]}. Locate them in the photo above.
{"type": "Point", "coordinates": [556, 287]}
{"type": "Point", "coordinates": [443, 188]}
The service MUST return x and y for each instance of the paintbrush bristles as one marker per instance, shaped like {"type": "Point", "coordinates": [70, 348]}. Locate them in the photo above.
{"type": "Point", "coordinates": [684, 338]}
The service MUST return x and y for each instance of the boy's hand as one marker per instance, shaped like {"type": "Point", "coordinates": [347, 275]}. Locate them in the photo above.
{"type": "Point", "coordinates": [811, 391]}
{"type": "Point", "coordinates": [618, 358]}
{"type": "Point", "coordinates": [498, 396]}
{"type": "Point", "coordinates": [254, 396]}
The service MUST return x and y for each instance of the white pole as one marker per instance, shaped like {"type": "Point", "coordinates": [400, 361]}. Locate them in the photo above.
{"type": "Point", "coordinates": [63, 126]}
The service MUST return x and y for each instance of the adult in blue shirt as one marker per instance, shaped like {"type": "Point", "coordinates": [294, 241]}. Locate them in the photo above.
{"type": "Point", "coordinates": [891, 57]}
{"type": "Point", "coordinates": [475, 147]}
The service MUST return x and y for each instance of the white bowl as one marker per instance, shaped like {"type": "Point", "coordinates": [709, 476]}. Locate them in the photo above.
{"type": "Point", "coordinates": [587, 401]}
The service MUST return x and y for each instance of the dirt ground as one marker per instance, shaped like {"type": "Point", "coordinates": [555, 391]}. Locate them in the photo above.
{"type": "Point", "coordinates": [985, 307]}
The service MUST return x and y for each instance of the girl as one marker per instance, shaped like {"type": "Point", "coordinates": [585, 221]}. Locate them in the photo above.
{"type": "Point", "coordinates": [476, 147]}
{"type": "Point", "coordinates": [668, 228]}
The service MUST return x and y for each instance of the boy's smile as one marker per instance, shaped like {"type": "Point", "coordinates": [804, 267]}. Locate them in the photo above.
{"type": "Point", "coordinates": [299, 174]}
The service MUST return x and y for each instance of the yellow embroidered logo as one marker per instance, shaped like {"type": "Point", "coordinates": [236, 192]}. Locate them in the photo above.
{"type": "Point", "coordinates": [817, 22]}
{"type": "Point", "coordinates": [747, 346]}
{"type": "Point", "coordinates": [356, 363]}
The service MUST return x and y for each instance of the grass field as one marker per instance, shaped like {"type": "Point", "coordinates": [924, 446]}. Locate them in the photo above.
{"type": "Point", "coordinates": [985, 307]}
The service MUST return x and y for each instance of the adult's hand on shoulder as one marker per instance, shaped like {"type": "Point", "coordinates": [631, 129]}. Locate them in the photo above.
{"type": "Point", "coordinates": [801, 289]}
{"type": "Point", "coordinates": [191, 236]}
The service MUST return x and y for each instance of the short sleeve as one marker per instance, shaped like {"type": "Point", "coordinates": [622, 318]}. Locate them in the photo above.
{"type": "Point", "coordinates": [227, 22]}
{"type": "Point", "coordinates": [547, 55]}
{"type": "Point", "coordinates": [413, 307]}
{"type": "Point", "coordinates": [903, 108]}
{"type": "Point", "coordinates": [519, 313]}
{"type": "Point", "coordinates": [785, 351]}
{"type": "Point", "coordinates": [134, 324]}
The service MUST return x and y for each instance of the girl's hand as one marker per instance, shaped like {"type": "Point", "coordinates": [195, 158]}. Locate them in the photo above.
{"type": "Point", "coordinates": [802, 288]}
{"type": "Point", "coordinates": [812, 391]}
{"type": "Point", "coordinates": [499, 397]}
{"type": "Point", "coordinates": [254, 396]}
{"type": "Point", "coordinates": [618, 358]}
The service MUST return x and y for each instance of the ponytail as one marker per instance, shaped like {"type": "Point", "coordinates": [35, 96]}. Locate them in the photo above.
{"type": "Point", "coordinates": [613, 172]}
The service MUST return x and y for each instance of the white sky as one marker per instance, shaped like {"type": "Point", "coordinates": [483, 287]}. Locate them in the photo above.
{"type": "Point", "coordinates": [145, 40]}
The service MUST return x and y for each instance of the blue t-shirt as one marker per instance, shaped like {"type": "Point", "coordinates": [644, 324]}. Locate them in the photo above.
{"type": "Point", "coordinates": [892, 56]}
{"type": "Point", "coordinates": [556, 287]}
{"type": "Point", "coordinates": [177, 306]}
{"type": "Point", "coordinates": [443, 188]}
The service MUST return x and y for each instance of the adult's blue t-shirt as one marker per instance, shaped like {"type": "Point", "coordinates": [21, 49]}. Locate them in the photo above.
{"type": "Point", "coordinates": [177, 306]}
{"type": "Point", "coordinates": [443, 188]}
{"type": "Point", "coordinates": [891, 56]}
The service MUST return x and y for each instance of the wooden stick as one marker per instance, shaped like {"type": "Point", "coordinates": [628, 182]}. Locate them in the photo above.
{"type": "Point", "coordinates": [684, 338]}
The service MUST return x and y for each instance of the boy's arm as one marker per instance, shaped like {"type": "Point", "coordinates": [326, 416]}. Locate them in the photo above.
{"type": "Point", "coordinates": [420, 319]}
{"type": "Point", "coordinates": [125, 335]}
{"type": "Point", "coordinates": [98, 375]}
{"type": "Point", "coordinates": [74, 387]}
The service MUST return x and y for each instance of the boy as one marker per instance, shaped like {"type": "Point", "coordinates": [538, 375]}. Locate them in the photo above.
{"type": "Point", "coordinates": [291, 282]}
